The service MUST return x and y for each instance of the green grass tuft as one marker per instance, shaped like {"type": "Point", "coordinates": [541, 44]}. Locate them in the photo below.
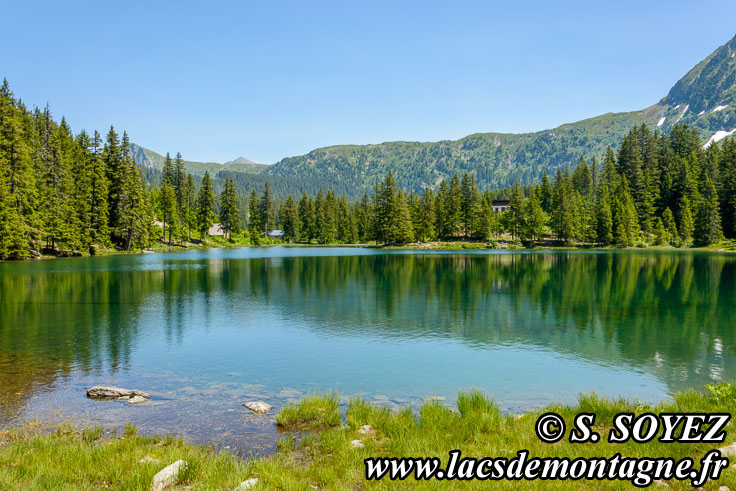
{"type": "Point", "coordinates": [313, 412]}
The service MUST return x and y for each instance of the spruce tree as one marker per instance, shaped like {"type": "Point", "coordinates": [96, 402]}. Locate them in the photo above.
{"type": "Point", "coordinates": [306, 219]}
{"type": "Point", "coordinates": [134, 214]}
{"type": "Point", "coordinates": [254, 218]}
{"type": "Point", "coordinates": [168, 213]}
{"type": "Point", "coordinates": [98, 196]}
{"type": "Point", "coordinates": [179, 184]}
{"type": "Point", "coordinates": [189, 205]}
{"type": "Point", "coordinates": [604, 216]}
{"type": "Point", "coordinates": [534, 218]}
{"type": "Point", "coordinates": [290, 220]}
{"type": "Point", "coordinates": [230, 220]}
{"type": "Point", "coordinates": [687, 224]}
{"type": "Point", "coordinates": [668, 222]}
{"type": "Point", "coordinates": [20, 217]}
{"type": "Point", "coordinates": [205, 206]}
{"type": "Point", "coordinates": [428, 219]}
{"type": "Point", "coordinates": [266, 211]}
{"type": "Point", "coordinates": [708, 226]}
{"type": "Point", "coordinates": [112, 156]}
{"type": "Point", "coordinates": [661, 236]}
{"type": "Point", "coordinates": [516, 210]}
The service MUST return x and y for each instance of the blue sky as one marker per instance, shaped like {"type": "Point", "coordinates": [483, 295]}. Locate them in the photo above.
{"type": "Point", "coordinates": [267, 80]}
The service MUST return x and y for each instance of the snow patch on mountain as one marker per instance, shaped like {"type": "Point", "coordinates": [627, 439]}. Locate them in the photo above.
{"type": "Point", "coordinates": [701, 113]}
{"type": "Point", "coordinates": [687, 106]}
{"type": "Point", "coordinates": [718, 136]}
{"type": "Point", "coordinates": [719, 108]}
{"type": "Point", "coordinates": [661, 121]}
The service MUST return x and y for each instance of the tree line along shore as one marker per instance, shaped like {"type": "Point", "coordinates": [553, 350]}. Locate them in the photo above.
{"type": "Point", "coordinates": [62, 194]}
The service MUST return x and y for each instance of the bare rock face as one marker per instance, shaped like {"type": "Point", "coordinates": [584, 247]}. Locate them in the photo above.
{"type": "Point", "coordinates": [168, 476]}
{"type": "Point", "coordinates": [258, 407]}
{"type": "Point", "coordinates": [101, 393]}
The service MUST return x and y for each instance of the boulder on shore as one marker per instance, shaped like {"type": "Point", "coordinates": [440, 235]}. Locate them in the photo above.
{"type": "Point", "coordinates": [102, 393]}
{"type": "Point", "coordinates": [248, 484]}
{"type": "Point", "coordinates": [258, 407]}
{"type": "Point", "coordinates": [168, 476]}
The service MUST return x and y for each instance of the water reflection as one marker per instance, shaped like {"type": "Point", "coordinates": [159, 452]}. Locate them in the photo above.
{"type": "Point", "coordinates": [367, 321]}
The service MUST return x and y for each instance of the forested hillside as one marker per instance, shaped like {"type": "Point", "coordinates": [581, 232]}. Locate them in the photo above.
{"type": "Point", "coordinates": [65, 192]}
{"type": "Point", "coordinates": [705, 99]}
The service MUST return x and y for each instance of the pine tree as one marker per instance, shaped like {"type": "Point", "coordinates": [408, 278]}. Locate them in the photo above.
{"type": "Point", "coordinates": [534, 219]}
{"type": "Point", "coordinates": [179, 184]}
{"type": "Point", "coordinates": [290, 220]}
{"type": "Point", "coordinates": [327, 219]}
{"type": "Point", "coordinates": [426, 230]}
{"type": "Point", "coordinates": [230, 221]}
{"type": "Point", "coordinates": [546, 193]}
{"type": "Point", "coordinates": [708, 226]}
{"type": "Point", "coordinates": [604, 216]}
{"type": "Point", "coordinates": [400, 231]}
{"type": "Point", "coordinates": [687, 225]}
{"type": "Point", "coordinates": [306, 219]}
{"type": "Point", "coordinates": [469, 204]}
{"type": "Point", "coordinates": [254, 218]}
{"type": "Point", "coordinates": [167, 209]}
{"type": "Point", "coordinates": [205, 206]}
{"type": "Point", "coordinates": [266, 211]}
{"type": "Point", "coordinates": [670, 227]}
{"type": "Point", "coordinates": [563, 210]}
{"type": "Point", "coordinates": [189, 205]}
{"type": "Point", "coordinates": [112, 155]}
{"type": "Point", "coordinates": [98, 196]}
{"type": "Point", "coordinates": [516, 210]}
{"type": "Point", "coordinates": [134, 214]}
{"type": "Point", "coordinates": [168, 174]}
{"type": "Point", "coordinates": [20, 216]}
{"type": "Point", "coordinates": [660, 233]}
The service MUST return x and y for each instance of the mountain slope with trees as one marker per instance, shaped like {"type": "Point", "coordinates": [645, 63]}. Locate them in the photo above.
{"type": "Point", "coordinates": [703, 99]}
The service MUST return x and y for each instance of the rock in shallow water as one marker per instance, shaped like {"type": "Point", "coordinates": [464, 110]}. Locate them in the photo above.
{"type": "Point", "coordinates": [258, 407]}
{"type": "Point", "coordinates": [102, 393]}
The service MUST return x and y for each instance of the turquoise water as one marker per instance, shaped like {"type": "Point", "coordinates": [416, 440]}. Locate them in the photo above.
{"type": "Point", "coordinates": [206, 330]}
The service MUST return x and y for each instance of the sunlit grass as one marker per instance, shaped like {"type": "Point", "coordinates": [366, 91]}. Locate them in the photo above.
{"type": "Point", "coordinates": [72, 458]}
{"type": "Point", "coordinates": [312, 412]}
{"type": "Point", "coordinates": [32, 457]}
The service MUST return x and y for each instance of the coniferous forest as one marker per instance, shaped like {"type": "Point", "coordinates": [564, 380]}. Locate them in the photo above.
{"type": "Point", "coordinates": [67, 194]}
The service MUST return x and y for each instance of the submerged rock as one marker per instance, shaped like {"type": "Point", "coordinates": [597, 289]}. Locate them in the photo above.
{"type": "Point", "coordinates": [102, 393]}
{"type": "Point", "coordinates": [168, 476]}
{"type": "Point", "coordinates": [258, 407]}
{"type": "Point", "coordinates": [248, 483]}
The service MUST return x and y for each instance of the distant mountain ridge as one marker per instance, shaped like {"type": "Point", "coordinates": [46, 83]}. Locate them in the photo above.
{"type": "Point", "coordinates": [705, 98]}
{"type": "Point", "coordinates": [151, 160]}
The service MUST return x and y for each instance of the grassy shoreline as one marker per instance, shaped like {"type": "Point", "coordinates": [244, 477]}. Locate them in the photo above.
{"type": "Point", "coordinates": [728, 246]}
{"type": "Point", "coordinates": [327, 457]}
